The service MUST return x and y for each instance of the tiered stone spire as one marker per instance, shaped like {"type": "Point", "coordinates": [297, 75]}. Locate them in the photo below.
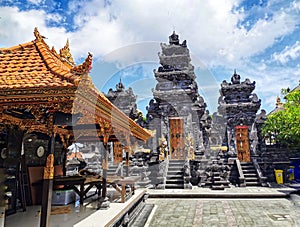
{"type": "Point", "coordinates": [176, 93]}
{"type": "Point", "coordinates": [238, 105]}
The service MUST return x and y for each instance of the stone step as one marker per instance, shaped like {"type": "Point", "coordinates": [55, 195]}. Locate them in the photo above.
{"type": "Point", "coordinates": [224, 182]}
{"type": "Point", "coordinates": [249, 171]}
{"type": "Point", "coordinates": [250, 175]}
{"type": "Point", "coordinates": [248, 179]}
{"type": "Point", "coordinates": [174, 181]}
{"type": "Point", "coordinates": [217, 187]}
{"type": "Point", "coordinates": [174, 186]}
{"type": "Point", "coordinates": [142, 217]}
{"type": "Point", "coordinates": [175, 167]}
{"type": "Point", "coordinates": [175, 170]}
{"type": "Point", "coordinates": [176, 164]}
{"type": "Point", "coordinates": [174, 175]}
{"type": "Point", "coordinates": [252, 183]}
{"type": "Point", "coordinates": [177, 161]}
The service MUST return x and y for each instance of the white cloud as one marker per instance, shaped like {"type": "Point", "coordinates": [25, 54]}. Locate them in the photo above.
{"type": "Point", "coordinates": [210, 28]}
{"type": "Point", "coordinates": [289, 53]}
{"type": "Point", "coordinates": [23, 24]}
{"type": "Point", "coordinates": [35, 2]}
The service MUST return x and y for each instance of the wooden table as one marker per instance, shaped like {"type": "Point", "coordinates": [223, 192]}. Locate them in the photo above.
{"type": "Point", "coordinates": [130, 181]}
{"type": "Point", "coordinates": [73, 181]}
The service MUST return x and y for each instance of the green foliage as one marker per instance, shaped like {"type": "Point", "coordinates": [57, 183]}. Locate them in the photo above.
{"type": "Point", "coordinates": [284, 125]}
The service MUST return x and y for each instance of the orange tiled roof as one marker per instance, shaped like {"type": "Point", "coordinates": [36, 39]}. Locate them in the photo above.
{"type": "Point", "coordinates": [33, 65]}
{"type": "Point", "coordinates": [28, 69]}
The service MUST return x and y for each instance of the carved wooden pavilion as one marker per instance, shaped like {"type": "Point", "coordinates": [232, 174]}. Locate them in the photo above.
{"type": "Point", "coordinates": [43, 91]}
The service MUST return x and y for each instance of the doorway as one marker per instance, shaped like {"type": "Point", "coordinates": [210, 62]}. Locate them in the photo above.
{"type": "Point", "coordinates": [242, 143]}
{"type": "Point", "coordinates": [177, 138]}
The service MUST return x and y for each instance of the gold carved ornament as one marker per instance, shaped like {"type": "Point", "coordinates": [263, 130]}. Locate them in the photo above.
{"type": "Point", "coordinates": [66, 55]}
{"type": "Point", "coordinates": [85, 67]}
{"type": "Point", "coordinates": [49, 168]}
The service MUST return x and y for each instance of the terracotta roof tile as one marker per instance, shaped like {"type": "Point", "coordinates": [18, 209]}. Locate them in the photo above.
{"type": "Point", "coordinates": [32, 65]}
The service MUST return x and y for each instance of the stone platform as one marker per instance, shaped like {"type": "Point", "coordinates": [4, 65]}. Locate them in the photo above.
{"type": "Point", "coordinates": [232, 192]}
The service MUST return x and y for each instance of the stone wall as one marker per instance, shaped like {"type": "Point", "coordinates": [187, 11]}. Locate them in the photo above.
{"type": "Point", "coordinates": [277, 158]}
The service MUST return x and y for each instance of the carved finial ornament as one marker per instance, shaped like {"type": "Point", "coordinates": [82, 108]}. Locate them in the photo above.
{"type": "Point", "coordinates": [85, 67]}
{"type": "Point", "coordinates": [278, 102]}
{"type": "Point", "coordinates": [37, 34]}
{"type": "Point", "coordinates": [65, 54]}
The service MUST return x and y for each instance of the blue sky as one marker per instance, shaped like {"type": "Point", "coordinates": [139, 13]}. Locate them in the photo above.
{"type": "Point", "coordinates": [259, 38]}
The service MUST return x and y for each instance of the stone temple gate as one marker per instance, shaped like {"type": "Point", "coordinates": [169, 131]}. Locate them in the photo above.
{"type": "Point", "coordinates": [176, 110]}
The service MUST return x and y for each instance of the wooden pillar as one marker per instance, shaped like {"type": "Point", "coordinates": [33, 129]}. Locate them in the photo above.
{"type": "Point", "coordinates": [48, 185]}
{"type": "Point", "coordinates": [105, 166]}
{"type": "Point", "coordinates": [127, 162]}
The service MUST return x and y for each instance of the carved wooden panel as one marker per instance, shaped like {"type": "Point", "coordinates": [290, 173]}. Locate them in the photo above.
{"type": "Point", "coordinates": [118, 149]}
{"type": "Point", "coordinates": [177, 138]}
{"type": "Point", "coordinates": [242, 143]}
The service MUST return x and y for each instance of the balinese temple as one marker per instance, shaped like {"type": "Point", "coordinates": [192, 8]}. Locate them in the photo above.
{"type": "Point", "coordinates": [47, 102]}
{"type": "Point", "coordinates": [176, 110]}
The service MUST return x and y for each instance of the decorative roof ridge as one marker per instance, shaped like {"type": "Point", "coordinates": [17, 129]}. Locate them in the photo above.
{"type": "Point", "coordinates": [85, 67]}
{"type": "Point", "coordinates": [53, 60]}
{"type": "Point", "coordinates": [23, 45]}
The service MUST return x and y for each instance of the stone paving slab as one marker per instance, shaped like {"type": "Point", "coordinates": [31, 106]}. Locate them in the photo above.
{"type": "Point", "coordinates": [224, 212]}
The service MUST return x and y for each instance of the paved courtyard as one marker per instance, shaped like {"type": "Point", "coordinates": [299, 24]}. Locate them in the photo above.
{"type": "Point", "coordinates": [225, 212]}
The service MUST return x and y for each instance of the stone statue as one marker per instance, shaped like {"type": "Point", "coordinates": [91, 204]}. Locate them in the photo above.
{"type": "Point", "coordinates": [163, 148]}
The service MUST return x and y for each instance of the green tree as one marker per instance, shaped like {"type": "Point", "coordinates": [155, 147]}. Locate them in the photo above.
{"type": "Point", "coordinates": [284, 125]}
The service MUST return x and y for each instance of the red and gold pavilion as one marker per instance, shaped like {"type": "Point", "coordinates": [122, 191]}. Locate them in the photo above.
{"type": "Point", "coordinates": [44, 92]}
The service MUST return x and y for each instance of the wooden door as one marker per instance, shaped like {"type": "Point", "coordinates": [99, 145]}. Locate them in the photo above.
{"type": "Point", "coordinates": [242, 143]}
{"type": "Point", "coordinates": [177, 138]}
{"type": "Point", "coordinates": [118, 151]}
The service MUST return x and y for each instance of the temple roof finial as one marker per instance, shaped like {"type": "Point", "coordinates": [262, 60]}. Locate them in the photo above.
{"type": "Point", "coordinates": [174, 39]}
{"type": "Point", "coordinates": [37, 34]}
{"type": "Point", "coordinates": [278, 102]}
{"type": "Point", "coordinates": [120, 86]}
{"type": "Point", "coordinates": [235, 79]}
{"type": "Point", "coordinates": [85, 67]}
{"type": "Point", "coordinates": [66, 55]}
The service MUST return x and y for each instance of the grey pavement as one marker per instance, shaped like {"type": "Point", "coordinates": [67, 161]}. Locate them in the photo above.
{"type": "Point", "coordinates": [250, 206]}
{"type": "Point", "coordinates": [224, 212]}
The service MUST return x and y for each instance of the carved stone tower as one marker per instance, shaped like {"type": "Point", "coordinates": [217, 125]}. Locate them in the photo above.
{"type": "Point", "coordinates": [176, 110]}
{"type": "Point", "coordinates": [239, 106]}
